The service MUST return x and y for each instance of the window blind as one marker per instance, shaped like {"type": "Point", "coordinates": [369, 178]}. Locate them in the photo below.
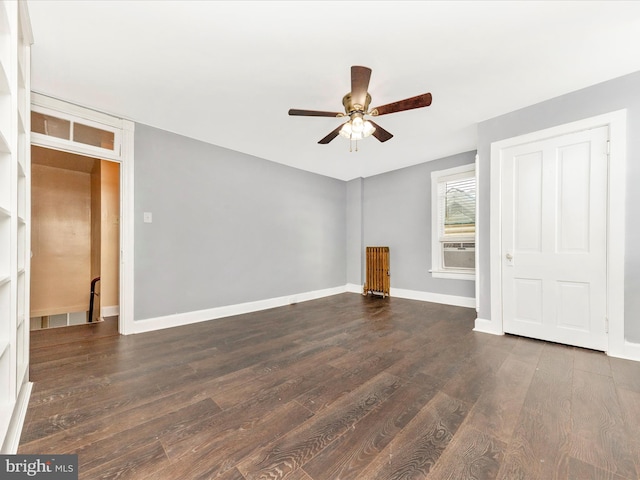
{"type": "Point", "coordinates": [458, 206]}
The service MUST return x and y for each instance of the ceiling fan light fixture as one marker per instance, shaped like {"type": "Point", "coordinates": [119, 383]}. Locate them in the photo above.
{"type": "Point", "coordinates": [357, 123]}
{"type": "Point", "coordinates": [357, 129]}
{"type": "Point", "coordinates": [368, 128]}
{"type": "Point", "coordinates": [346, 130]}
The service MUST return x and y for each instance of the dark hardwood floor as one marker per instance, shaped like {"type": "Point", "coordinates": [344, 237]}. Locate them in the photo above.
{"type": "Point", "coordinates": [345, 387]}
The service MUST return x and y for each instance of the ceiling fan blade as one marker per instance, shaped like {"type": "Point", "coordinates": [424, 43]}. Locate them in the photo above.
{"type": "Point", "coordinates": [418, 101]}
{"type": "Point", "coordinates": [359, 84]}
{"type": "Point", "coordinates": [380, 133]}
{"type": "Point", "coordinates": [314, 113]}
{"type": "Point", "coordinates": [331, 136]}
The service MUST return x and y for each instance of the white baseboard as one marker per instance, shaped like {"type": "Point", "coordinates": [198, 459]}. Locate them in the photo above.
{"type": "Point", "coordinates": [179, 319]}
{"type": "Point", "coordinates": [631, 351]}
{"type": "Point", "coordinates": [110, 311]}
{"type": "Point", "coordinates": [487, 326]}
{"type": "Point", "coordinates": [433, 297]}
{"type": "Point", "coordinates": [12, 440]}
{"type": "Point", "coordinates": [422, 296]}
{"type": "Point", "coordinates": [186, 318]}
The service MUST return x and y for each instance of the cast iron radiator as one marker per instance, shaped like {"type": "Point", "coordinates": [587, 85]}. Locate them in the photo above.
{"type": "Point", "coordinates": [377, 276]}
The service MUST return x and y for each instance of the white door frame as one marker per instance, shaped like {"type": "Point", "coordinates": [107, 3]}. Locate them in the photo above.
{"type": "Point", "coordinates": [616, 121]}
{"type": "Point", "coordinates": [125, 158]}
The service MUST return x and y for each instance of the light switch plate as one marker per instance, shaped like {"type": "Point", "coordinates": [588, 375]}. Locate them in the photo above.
{"type": "Point", "coordinates": [148, 217]}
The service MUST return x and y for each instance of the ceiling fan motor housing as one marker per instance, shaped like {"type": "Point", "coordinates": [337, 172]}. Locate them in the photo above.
{"type": "Point", "coordinates": [350, 107]}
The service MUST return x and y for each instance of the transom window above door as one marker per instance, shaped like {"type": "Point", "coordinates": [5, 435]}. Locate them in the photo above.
{"type": "Point", "coordinates": [74, 131]}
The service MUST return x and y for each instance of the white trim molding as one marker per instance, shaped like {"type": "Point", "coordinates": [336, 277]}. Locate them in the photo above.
{"type": "Point", "coordinates": [126, 229]}
{"type": "Point", "coordinates": [617, 124]}
{"type": "Point", "coordinates": [454, 300]}
{"type": "Point", "coordinates": [110, 311]}
{"type": "Point", "coordinates": [354, 288]}
{"type": "Point", "coordinates": [186, 318]}
{"type": "Point", "coordinates": [12, 439]}
{"type": "Point", "coordinates": [487, 326]}
{"type": "Point", "coordinates": [453, 275]}
{"type": "Point", "coordinates": [124, 156]}
{"type": "Point", "coordinates": [478, 229]}
{"type": "Point", "coordinates": [630, 351]}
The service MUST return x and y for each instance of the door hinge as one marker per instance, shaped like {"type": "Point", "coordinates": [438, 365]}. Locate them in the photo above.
{"type": "Point", "coordinates": [606, 324]}
{"type": "Point", "coordinates": [608, 147]}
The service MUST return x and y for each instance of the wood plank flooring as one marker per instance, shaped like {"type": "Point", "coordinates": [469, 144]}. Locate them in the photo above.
{"type": "Point", "coordinates": [345, 387]}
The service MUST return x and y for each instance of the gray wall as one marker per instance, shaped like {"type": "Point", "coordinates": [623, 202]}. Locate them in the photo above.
{"type": "Point", "coordinates": [229, 228]}
{"type": "Point", "coordinates": [397, 213]}
{"type": "Point", "coordinates": [247, 229]}
{"type": "Point", "coordinates": [623, 92]}
{"type": "Point", "coordinates": [355, 249]}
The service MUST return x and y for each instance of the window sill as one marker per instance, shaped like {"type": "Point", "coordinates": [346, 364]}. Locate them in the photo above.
{"type": "Point", "coordinates": [452, 275]}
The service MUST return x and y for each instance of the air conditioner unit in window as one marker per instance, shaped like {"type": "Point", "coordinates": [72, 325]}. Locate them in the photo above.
{"type": "Point", "coordinates": [459, 255]}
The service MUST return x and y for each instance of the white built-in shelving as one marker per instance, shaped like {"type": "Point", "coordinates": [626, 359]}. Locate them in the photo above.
{"type": "Point", "coordinates": [15, 217]}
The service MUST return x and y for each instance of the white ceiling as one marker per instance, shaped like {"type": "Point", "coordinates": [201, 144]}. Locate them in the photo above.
{"type": "Point", "coordinates": [227, 72]}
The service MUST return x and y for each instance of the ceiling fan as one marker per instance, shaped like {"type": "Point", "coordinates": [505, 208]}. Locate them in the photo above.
{"type": "Point", "coordinates": [356, 106]}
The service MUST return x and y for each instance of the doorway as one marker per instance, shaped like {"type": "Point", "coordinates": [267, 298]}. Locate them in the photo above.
{"type": "Point", "coordinates": [74, 238]}
{"type": "Point", "coordinates": [64, 127]}
{"type": "Point", "coordinates": [614, 150]}
{"type": "Point", "coordinates": [554, 223]}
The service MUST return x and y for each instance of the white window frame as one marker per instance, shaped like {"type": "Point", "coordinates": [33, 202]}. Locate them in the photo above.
{"type": "Point", "coordinates": [437, 271]}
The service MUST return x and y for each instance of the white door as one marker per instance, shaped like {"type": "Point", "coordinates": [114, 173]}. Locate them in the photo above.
{"type": "Point", "coordinates": [554, 244]}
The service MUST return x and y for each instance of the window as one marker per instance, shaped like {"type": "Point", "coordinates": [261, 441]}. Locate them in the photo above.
{"type": "Point", "coordinates": [71, 131]}
{"type": "Point", "coordinates": [453, 222]}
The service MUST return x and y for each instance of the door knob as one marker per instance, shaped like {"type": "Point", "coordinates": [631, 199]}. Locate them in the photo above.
{"type": "Point", "coordinates": [509, 256]}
